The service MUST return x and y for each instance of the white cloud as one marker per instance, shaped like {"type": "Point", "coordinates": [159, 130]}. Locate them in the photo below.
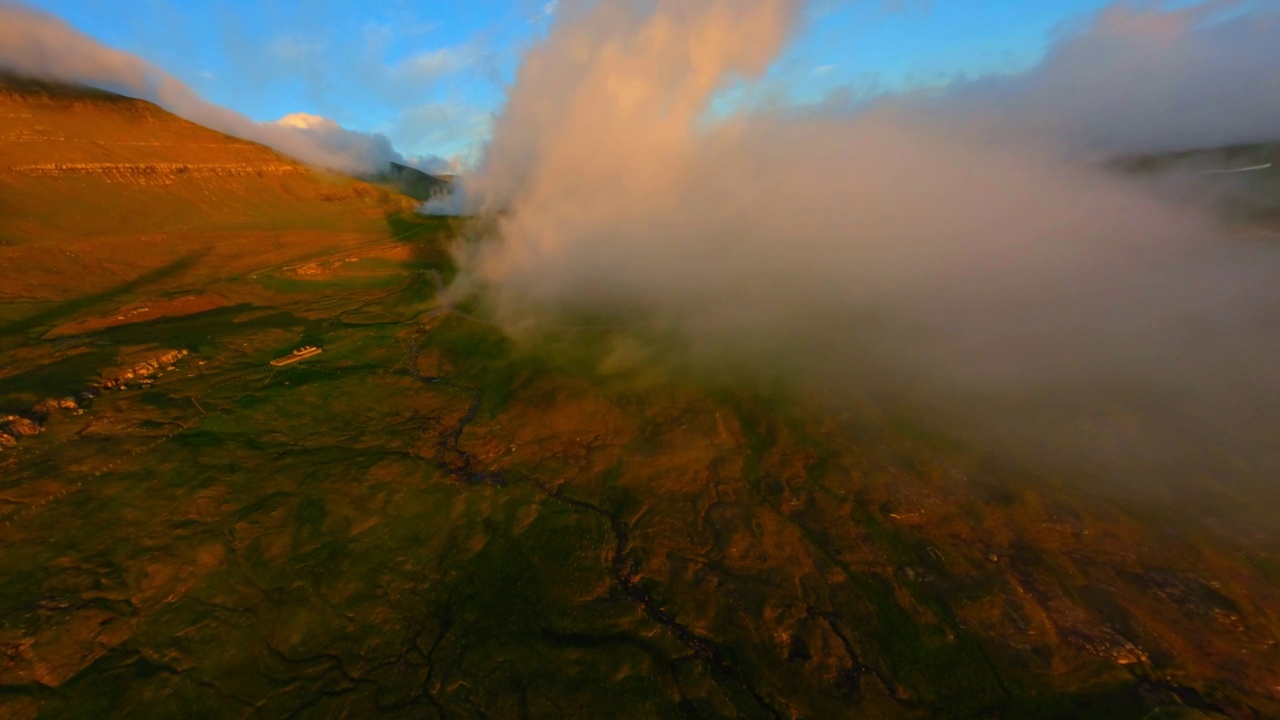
{"type": "Point", "coordinates": [940, 255]}
{"type": "Point", "coordinates": [1139, 79]}
{"type": "Point", "coordinates": [306, 121]}
{"type": "Point", "coordinates": [370, 151]}
{"type": "Point", "coordinates": [429, 67]}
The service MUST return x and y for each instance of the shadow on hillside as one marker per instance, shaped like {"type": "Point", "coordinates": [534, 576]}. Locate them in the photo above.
{"type": "Point", "coordinates": [66, 309]}
{"type": "Point", "coordinates": [428, 239]}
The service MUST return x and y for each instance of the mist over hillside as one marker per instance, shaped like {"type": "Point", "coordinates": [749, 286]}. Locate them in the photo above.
{"type": "Point", "coordinates": [963, 255]}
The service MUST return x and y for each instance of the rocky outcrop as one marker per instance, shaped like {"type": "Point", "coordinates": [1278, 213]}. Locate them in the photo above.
{"type": "Point", "coordinates": [142, 372]}
{"type": "Point", "coordinates": [318, 268]}
{"type": "Point", "coordinates": [16, 427]}
{"type": "Point", "coordinates": [52, 405]}
{"type": "Point", "coordinates": [39, 134]}
{"type": "Point", "coordinates": [159, 173]}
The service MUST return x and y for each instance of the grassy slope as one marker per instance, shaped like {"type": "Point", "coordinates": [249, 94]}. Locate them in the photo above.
{"type": "Point", "coordinates": [426, 521]}
{"type": "Point", "coordinates": [74, 232]}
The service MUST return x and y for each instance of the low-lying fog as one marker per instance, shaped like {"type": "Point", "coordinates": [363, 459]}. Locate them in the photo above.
{"type": "Point", "coordinates": [962, 255]}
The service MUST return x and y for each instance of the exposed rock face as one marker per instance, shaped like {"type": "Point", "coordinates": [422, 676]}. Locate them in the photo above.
{"type": "Point", "coordinates": [16, 426]}
{"type": "Point", "coordinates": [319, 268]}
{"type": "Point", "coordinates": [144, 369]}
{"type": "Point", "coordinates": [52, 405]}
{"type": "Point", "coordinates": [160, 173]}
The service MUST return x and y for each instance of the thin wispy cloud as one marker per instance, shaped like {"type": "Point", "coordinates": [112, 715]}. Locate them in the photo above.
{"type": "Point", "coordinates": [348, 78]}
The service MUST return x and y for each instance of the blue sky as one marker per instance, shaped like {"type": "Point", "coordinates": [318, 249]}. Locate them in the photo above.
{"type": "Point", "coordinates": [430, 74]}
